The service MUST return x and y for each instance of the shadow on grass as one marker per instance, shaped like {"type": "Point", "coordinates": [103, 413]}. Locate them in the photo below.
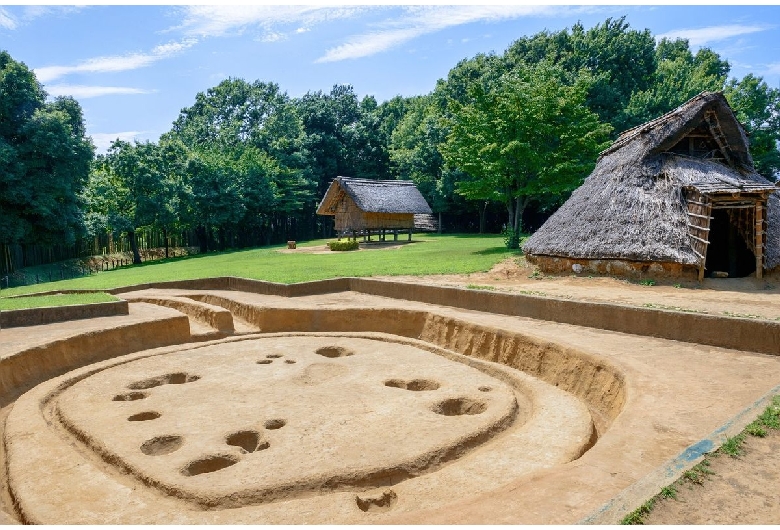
{"type": "Point", "coordinates": [498, 250]}
{"type": "Point", "coordinates": [179, 259]}
{"type": "Point", "coordinates": [466, 236]}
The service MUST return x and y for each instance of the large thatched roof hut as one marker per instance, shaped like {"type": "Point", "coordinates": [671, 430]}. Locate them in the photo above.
{"type": "Point", "coordinates": [362, 206]}
{"type": "Point", "coordinates": [677, 196]}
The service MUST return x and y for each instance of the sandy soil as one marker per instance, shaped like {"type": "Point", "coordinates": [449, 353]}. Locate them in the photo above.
{"type": "Point", "coordinates": [671, 429]}
{"type": "Point", "coordinates": [742, 490]}
{"type": "Point", "coordinates": [739, 297]}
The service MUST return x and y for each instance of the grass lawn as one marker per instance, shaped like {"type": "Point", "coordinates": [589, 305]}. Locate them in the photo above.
{"type": "Point", "coordinates": [428, 254]}
{"type": "Point", "coordinates": [7, 304]}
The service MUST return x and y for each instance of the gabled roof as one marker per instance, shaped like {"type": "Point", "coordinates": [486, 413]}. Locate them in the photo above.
{"type": "Point", "coordinates": [632, 205]}
{"type": "Point", "coordinates": [375, 196]}
{"type": "Point", "coordinates": [662, 133]}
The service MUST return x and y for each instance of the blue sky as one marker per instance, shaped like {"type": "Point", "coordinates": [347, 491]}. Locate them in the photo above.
{"type": "Point", "coordinates": [134, 67]}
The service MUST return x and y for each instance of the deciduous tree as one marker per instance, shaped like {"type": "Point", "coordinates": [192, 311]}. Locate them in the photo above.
{"type": "Point", "coordinates": [528, 134]}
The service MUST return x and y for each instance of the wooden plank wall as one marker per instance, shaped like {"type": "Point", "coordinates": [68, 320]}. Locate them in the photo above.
{"type": "Point", "coordinates": [350, 217]}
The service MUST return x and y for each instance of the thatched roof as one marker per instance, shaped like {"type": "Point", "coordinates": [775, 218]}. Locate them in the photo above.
{"type": "Point", "coordinates": [375, 196]}
{"type": "Point", "coordinates": [632, 207]}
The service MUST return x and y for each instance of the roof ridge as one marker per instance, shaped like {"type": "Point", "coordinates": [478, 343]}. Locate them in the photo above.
{"type": "Point", "coordinates": [372, 181]}
{"type": "Point", "coordinates": [630, 134]}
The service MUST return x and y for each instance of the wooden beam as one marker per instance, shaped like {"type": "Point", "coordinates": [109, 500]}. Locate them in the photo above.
{"type": "Point", "coordinates": [759, 241]}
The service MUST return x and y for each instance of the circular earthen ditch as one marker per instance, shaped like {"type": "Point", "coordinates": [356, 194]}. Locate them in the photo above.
{"type": "Point", "coordinates": [354, 425]}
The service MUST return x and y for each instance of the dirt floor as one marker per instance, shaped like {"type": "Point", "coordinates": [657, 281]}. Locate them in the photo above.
{"type": "Point", "coordinates": [742, 490]}
{"type": "Point", "coordinates": [665, 413]}
{"type": "Point", "coordinates": [739, 297]}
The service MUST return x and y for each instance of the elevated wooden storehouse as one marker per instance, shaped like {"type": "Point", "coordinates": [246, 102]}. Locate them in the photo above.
{"type": "Point", "coordinates": [677, 196]}
{"type": "Point", "coordinates": [362, 206]}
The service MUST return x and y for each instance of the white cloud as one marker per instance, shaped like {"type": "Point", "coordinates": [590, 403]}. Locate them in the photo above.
{"type": "Point", "coordinates": [273, 37]}
{"type": "Point", "coordinates": [116, 63]}
{"type": "Point", "coordinates": [420, 21]}
{"type": "Point", "coordinates": [702, 36]}
{"type": "Point", "coordinates": [84, 92]}
{"type": "Point", "coordinates": [218, 21]}
{"type": "Point", "coordinates": [7, 21]}
{"type": "Point", "coordinates": [31, 12]}
{"type": "Point", "coordinates": [773, 69]}
{"type": "Point", "coordinates": [103, 141]}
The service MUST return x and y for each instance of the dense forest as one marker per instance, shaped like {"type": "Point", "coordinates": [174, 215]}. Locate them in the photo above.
{"type": "Point", "coordinates": [501, 142]}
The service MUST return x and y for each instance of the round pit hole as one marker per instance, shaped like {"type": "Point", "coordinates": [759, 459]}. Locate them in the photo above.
{"type": "Point", "coordinates": [144, 416]}
{"type": "Point", "coordinates": [248, 441]}
{"type": "Point", "coordinates": [459, 407]}
{"type": "Point", "coordinates": [334, 351]}
{"type": "Point", "coordinates": [289, 361]}
{"type": "Point", "coordinates": [415, 385]}
{"type": "Point", "coordinates": [161, 445]}
{"type": "Point", "coordinates": [377, 502]}
{"type": "Point", "coordinates": [274, 424]}
{"type": "Point", "coordinates": [177, 378]}
{"type": "Point", "coordinates": [264, 361]}
{"type": "Point", "coordinates": [485, 389]}
{"type": "Point", "coordinates": [130, 396]}
{"type": "Point", "coordinates": [208, 464]}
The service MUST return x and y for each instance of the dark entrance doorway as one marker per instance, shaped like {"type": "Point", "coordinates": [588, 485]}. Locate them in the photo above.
{"type": "Point", "coordinates": [727, 251]}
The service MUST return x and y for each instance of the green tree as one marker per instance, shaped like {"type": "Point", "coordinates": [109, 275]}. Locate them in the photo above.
{"type": "Point", "coordinates": [44, 160]}
{"type": "Point", "coordinates": [679, 76]}
{"type": "Point", "coordinates": [135, 186]}
{"type": "Point", "coordinates": [757, 107]}
{"type": "Point", "coordinates": [529, 134]}
{"type": "Point", "coordinates": [621, 61]}
{"type": "Point", "coordinates": [246, 142]}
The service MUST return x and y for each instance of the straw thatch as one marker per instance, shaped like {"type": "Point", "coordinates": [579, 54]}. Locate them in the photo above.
{"type": "Point", "coordinates": [361, 204]}
{"type": "Point", "coordinates": [634, 205]}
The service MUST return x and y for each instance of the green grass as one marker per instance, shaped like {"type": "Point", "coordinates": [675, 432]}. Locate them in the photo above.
{"type": "Point", "coordinates": [673, 308]}
{"type": "Point", "coordinates": [769, 419]}
{"type": "Point", "coordinates": [480, 287]}
{"type": "Point", "coordinates": [27, 302]}
{"type": "Point", "coordinates": [428, 254]}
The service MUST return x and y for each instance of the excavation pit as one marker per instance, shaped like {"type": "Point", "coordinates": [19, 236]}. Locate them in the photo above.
{"type": "Point", "coordinates": [350, 408]}
{"type": "Point", "coordinates": [377, 410]}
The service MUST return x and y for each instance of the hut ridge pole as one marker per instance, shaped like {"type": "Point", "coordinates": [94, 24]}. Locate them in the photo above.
{"type": "Point", "coordinates": [759, 242]}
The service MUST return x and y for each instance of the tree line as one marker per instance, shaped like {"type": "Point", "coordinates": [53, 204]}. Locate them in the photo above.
{"type": "Point", "coordinates": [503, 140]}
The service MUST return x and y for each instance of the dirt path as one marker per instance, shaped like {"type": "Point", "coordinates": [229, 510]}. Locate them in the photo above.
{"type": "Point", "coordinates": [741, 297]}
{"type": "Point", "coordinates": [741, 490]}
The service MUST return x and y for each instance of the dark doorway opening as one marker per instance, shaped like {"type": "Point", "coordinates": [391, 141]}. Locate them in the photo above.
{"type": "Point", "coordinates": [727, 251]}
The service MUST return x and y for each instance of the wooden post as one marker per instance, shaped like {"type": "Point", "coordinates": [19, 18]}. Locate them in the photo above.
{"type": "Point", "coordinates": [759, 240]}
{"type": "Point", "coordinates": [410, 234]}
{"type": "Point", "coordinates": [395, 235]}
